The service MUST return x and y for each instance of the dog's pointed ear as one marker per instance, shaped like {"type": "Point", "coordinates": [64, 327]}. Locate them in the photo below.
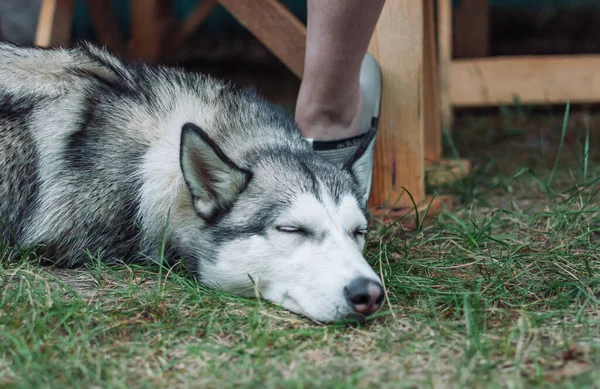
{"type": "Point", "coordinates": [213, 179]}
{"type": "Point", "coordinates": [360, 162]}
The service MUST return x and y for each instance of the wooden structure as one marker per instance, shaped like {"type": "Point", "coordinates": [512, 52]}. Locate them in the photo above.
{"type": "Point", "coordinates": [480, 81]}
{"type": "Point", "coordinates": [409, 141]}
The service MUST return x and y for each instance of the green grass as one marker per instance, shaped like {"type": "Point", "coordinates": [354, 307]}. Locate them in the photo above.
{"type": "Point", "coordinates": [502, 292]}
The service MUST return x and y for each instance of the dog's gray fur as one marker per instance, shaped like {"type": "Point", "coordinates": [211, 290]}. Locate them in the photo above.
{"type": "Point", "coordinates": [90, 164]}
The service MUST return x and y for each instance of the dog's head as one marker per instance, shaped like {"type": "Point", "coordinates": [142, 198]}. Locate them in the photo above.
{"type": "Point", "coordinates": [290, 228]}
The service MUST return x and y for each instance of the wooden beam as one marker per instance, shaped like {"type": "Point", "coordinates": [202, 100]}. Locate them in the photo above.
{"type": "Point", "coordinates": [54, 23]}
{"type": "Point", "coordinates": [275, 26]}
{"type": "Point", "coordinates": [471, 29]}
{"type": "Point", "coordinates": [397, 45]}
{"type": "Point", "coordinates": [534, 79]}
{"type": "Point", "coordinates": [444, 19]}
{"type": "Point", "coordinates": [433, 130]}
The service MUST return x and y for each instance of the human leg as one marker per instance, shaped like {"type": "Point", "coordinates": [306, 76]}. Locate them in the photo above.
{"type": "Point", "coordinates": [341, 87]}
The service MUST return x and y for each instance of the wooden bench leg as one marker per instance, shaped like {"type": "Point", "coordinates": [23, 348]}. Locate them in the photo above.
{"type": "Point", "coordinates": [54, 23]}
{"type": "Point", "coordinates": [433, 128]}
{"type": "Point", "coordinates": [445, 61]}
{"type": "Point", "coordinates": [438, 103]}
{"type": "Point", "coordinates": [397, 45]}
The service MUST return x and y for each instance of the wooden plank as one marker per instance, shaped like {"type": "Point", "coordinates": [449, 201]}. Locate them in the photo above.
{"type": "Point", "coordinates": [534, 79]}
{"type": "Point", "coordinates": [275, 26]}
{"type": "Point", "coordinates": [54, 23]}
{"type": "Point", "coordinates": [444, 12]}
{"type": "Point", "coordinates": [150, 19]}
{"type": "Point", "coordinates": [106, 25]}
{"type": "Point", "coordinates": [397, 45]}
{"type": "Point", "coordinates": [433, 130]}
{"type": "Point", "coordinates": [471, 29]}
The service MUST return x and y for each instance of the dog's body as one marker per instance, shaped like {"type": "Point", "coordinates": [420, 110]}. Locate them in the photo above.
{"type": "Point", "coordinates": [99, 157]}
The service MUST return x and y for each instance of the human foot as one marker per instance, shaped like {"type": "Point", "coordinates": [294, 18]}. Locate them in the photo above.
{"type": "Point", "coordinates": [337, 135]}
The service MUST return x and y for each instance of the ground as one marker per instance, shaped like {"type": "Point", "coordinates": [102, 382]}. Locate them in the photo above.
{"type": "Point", "coordinates": [501, 292]}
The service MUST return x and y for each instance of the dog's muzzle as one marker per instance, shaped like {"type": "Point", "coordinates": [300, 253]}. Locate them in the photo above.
{"type": "Point", "coordinates": [364, 295]}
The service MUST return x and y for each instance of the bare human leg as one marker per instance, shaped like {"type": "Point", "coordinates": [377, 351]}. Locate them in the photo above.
{"type": "Point", "coordinates": [340, 94]}
{"type": "Point", "coordinates": [330, 102]}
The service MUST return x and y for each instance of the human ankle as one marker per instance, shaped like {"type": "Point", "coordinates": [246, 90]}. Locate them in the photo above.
{"type": "Point", "coordinates": [332, 120]}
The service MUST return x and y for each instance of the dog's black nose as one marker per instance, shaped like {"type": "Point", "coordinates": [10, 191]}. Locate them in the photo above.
{"type": "Point", "coordinates": [364, 295]}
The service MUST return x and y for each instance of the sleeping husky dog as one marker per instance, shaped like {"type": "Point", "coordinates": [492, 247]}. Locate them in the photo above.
{"type": "Point", "coordinates": [124, 161]}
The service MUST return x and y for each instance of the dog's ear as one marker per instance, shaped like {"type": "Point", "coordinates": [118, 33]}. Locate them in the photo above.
{"type": "Point", "coordinates": [360, 162]}
{"type": "Point", "coordinates": [213, 179]}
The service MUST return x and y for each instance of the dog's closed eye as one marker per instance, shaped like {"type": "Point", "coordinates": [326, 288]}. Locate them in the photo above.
{"type": "Point", "coordinates": [292, 230]}
{"type": "Point", "coordinates": [360, 231]}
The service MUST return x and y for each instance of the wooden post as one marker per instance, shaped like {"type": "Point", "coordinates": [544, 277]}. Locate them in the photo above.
{"type": "Point", "coordinates": [433, 130]}
{"type": "Point", "coordinates": [397, 45]}
{"type": "Point", "coordinates": [445, 61]}
{"type": "Point", "coordinates": [54, 23]}
{"type": "Point", "coordinates": [275, 26]}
